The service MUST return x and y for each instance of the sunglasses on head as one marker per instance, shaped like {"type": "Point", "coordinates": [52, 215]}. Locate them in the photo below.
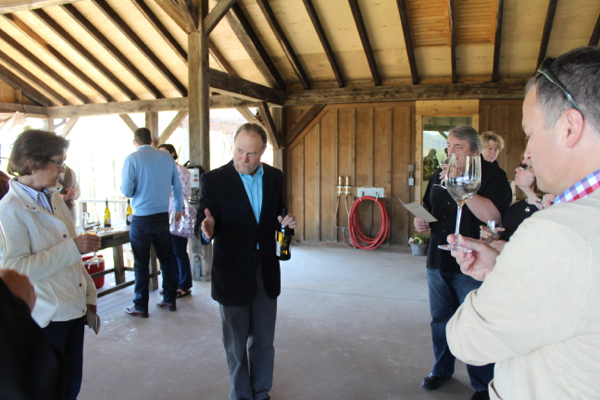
{"type": "Point", "coordinates": [544, 70]}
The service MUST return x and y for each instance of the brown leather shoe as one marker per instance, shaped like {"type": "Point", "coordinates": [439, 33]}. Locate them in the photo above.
{"type": "Point", "coordinates": [170, 307]}
{"type": "Point", "coordinates": [433, 382]}
{"type": "Point", "coordinates": [135, 312]}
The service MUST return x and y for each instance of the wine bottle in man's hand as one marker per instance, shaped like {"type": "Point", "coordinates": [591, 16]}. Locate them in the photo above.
{"type": "Point", "coordinates": [284, 240]}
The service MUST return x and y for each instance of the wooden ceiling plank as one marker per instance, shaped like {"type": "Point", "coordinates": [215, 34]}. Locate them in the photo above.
{"type": "Point", "coordinates": [238, 87]}
{"type": "Point", "coordinates": [595, 39]}
{"type": "Point", "coordinates": [547, 30]}
{"type": "Point", "coordinates": [137, 106]}
{"type": "Point", "coordinates": [364, 38]}
{"type": "Point", "coordinates": [83, 52]}
{"type": "Point", "coordinates": [32, 77]}
{"type": "Point", "coordinates": [173, 125]}
{"type": "Point", "coordinates": [48, 48]}
{"type": "Point", "coordinates": [26, 5]}
{"type": "Point", "coordinates": [64, 132]}
{"type": "Point", "coordinates": [312, 13]}
{"type": "Point", "coordinates": [29, 91]}
{"type": "Point", "coordinates": [129, 122]}
{"type": "Point", "coordinates": [142, 47]}
{"type": "Point", "coordinates": [246, 35]}
{"type": "Point", "coordinates": [498, 40]}
{"type": "Point", "coordinates": [223, 63]}
{"type": "Point", "coordinates": [112, 49]}
{"type": "Point", "coordinates": [269, 123]}
{"type": "Point", "coordinates": [35, 60]}
{"type": "Point", "coordinates": [189, 13]}
{"type": "Point", "coordinates": [481, 90]}
{"type": "Point", "coordinates": [284, 42]}
{"type": "Point", "coordinates": [161, 29]}
{"type": "Point", "coordinates": [216, 15]}
{"type": "Point", "coordinates": [410, 52]}
{"type": "Point", "coordinates": [451, 23]}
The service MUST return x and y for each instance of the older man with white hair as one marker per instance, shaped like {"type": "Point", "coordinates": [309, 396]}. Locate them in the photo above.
{"type": "Point", "coordinates": [536, 314]}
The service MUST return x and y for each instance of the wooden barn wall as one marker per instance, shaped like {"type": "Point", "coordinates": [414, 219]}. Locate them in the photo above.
{"type": "Point", "coordinates": [370, 143]}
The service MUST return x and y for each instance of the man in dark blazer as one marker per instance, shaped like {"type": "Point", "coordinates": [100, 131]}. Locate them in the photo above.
{"type": "Point", "coordinates": [240, 210]}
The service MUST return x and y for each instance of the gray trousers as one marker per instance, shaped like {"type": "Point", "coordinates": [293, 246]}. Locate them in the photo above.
{"type": "Point", "coordinates": [248, 335]}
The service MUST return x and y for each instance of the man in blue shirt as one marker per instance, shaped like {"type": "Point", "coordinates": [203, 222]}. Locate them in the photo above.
{"type": "Point", "coordinates": [240, 210]}
{"type": "Point", "coordinates": [148, 177]}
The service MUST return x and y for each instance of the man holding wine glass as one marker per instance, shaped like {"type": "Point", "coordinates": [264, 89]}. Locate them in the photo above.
{"type": "Point", "coordinates": [536, 314]}
{"type": "Point", "coordinates": [481, 193]}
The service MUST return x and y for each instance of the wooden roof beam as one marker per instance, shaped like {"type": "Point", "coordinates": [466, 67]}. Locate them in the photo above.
{"type": "Point", "coordinates": [243, 30]}
{"type": "Point", "coordinates": [64, 132]}
{"type": "Point", "coordinates": [269, 123]}
{"type": "Point", "coordinates": [216, 15]}
{"type": "Point", "coordinates": [190, 14]}
{"type": "Point", "coordinates": [141, 46]}
{"type": "Point", "coordinates": [59, 79]}
{"type": "Point", "coordinates": [547, 30]}
{"type": "Point", "coordinates": [162, 30]}
{"type": "Point", "coordinates": [284, 42]}
{"type": "Point", "coordinates": [306, 119]}
{"type": "Point", "coordinates": [364, 38]}
{"type": "Point", "coordinates": [24, 5]}
{"type": "Point", "coordinates": [312, 13]}
{"type": "Point", "coordinates": [32, 78]}
{"type": "Point", "coordinates": [247, 114]}
{"type": "Point", "coordinates": [216, 54]}
{"type": "Point", "coordinates": [29, 91]}
{"type": "Point", "coordinates": [595, 39]}
{"type": "Point", "coordinates": [498, 39]}
{"type": "Point", "coordinates": [482, 90]}
{"type": "Point", "coordinates": [83, 52]}
{"type": "Point", "coordinates": [129, 122]}
{"type": "Point", "coordinates": [20, 25]}
{"type": "Point", "coordinates": [451, 22]}
{"type": "Point", "coordinates": [35, 111]}
{"type": "Point", "coordinates": [241, 88]}
{"type": "Point", "coordinates": [112, 49]}
{"type": "Point", "coordinates": [410, 52]}
{"type": "Point", "coordinates": [173, 125]}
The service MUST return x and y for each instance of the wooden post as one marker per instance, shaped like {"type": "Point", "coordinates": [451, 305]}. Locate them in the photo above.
{"type": "Point", "coordinates": [199, 109]}
{"type": "Point", "coordinates": [152, 125]}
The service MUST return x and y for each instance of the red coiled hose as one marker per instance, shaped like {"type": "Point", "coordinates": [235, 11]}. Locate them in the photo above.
{"type": "Point", "coordinates": [358, 237]}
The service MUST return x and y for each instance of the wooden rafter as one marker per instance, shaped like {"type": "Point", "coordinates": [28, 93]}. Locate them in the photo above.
{"type": "Point", "coordinates": [483, 90]}
{"type": "Point", "coordinates": [410, 52]}
{"type": "Point", "coordinates": [24, 5]}
{"type": "Point", "coordinates": [112, 49]}
{"type": "Point", "coordinates": [32, 78]}
{"type": "Point", "coordinates": [498, 39]}
{"type": "Point", "coordinates": [216, 54]}
{"type": "Point", "coordinates": [451, 23]}
{"type": "Point", "coordinates": [161, 29]}
{"type": "Point", "coordinates": [284, 42]}
{"type": "Point", "coordinates": [314, 17]}
{"type": "Point", "coordinates": [364, 38]}
{"type": "Point", "coordinates": [216, 14]}
{"type": "Point", "coordinates": [268, 122]}
{"type": "Point", "coordinates": [17, 83]}
{"type": "Point", "coordinates": [306, 119]}
{"type": "Point", "coordinates": [83, 52]}
{"type": "Point", "coordinates": [237, 87]}
{"type": "Point", "coordinates": [190, 14]}
{"type": "Point", "coordinates": [595, 39]}
{"type": "Point", "coordinates": [35, 60]}
{"type": "Point", "coordinates": [49, 49]}
{"type": "Point", "coordinates": [243, 30]}
{"type": "Point", "coordinates": [141, 46]}
{"type": "Point", "coordinates": [547, 30]}
{"type": "Point", "coordinates": [173, 125]}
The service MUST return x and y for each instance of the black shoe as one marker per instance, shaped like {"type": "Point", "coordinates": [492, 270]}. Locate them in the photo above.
{"type": "Point", "coordinates": [134, 312]}
{"type": "Point", "coordinates": [481, 395]}
{"type": "Point", "coordinates": [433, 382]}
{"type": "Point", "coordinates": [170, 307]}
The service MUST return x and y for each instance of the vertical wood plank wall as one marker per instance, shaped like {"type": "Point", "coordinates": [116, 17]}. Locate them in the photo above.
{"type": "Point", "coordinates": [371, 144]}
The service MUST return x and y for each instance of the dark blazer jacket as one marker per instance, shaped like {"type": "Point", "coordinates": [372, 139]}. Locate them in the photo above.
{"type": "Point", "coordinates": [234, 266]}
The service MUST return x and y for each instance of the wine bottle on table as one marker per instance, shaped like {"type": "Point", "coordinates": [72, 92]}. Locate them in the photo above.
{"type": "Point", "coordinates": [128, 213]}
{"type": "Point", "coordinates": [284, 240]}
{"type": "Point", "coordinates": [107, 216]}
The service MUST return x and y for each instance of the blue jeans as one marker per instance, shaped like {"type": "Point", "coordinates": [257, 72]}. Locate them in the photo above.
{"type": "Point", "coordinates": [68, 337]}
{"type": "Point", "coordinates": [248, 335]}
{"type": "Point", "coordinates": [447, 291]}
{"type": "Point", "coordinates": [183, 273]}
{"type": "Point", "coordinates": [144, 231]}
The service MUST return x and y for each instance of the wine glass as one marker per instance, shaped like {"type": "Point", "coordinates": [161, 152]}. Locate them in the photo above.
{"type": "Point", "coordinates": [463, 181]}
{"type": "Point", "coordinates": [492, 228]}
{"type": "Point", "coordinates": [91, 223]}
{"type": "Point", "coordinates": [443, 165]}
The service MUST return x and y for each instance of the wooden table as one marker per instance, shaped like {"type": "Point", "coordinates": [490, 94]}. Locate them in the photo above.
{"type": "Point", "coordinates": [116, 238]}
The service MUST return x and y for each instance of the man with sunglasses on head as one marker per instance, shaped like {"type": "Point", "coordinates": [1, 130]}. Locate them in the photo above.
{"type": "Point", "coordinates": [536, 314]}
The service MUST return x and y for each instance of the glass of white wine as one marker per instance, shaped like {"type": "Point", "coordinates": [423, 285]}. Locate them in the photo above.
{"type": "Point", "coordinates": [463, 181]}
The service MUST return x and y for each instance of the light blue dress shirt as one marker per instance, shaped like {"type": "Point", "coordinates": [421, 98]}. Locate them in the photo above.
{"type": "Point", "coordinates": [43, 198]}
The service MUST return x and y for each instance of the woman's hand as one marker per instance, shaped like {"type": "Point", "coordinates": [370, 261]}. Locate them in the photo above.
{"type": "Point", "coordinates": [87, 243]}
{"type": "Point", "coordinates": [486, 234]}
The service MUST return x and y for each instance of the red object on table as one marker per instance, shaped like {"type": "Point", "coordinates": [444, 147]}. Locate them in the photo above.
{"type": "Point", "coordinates": [93, 268]}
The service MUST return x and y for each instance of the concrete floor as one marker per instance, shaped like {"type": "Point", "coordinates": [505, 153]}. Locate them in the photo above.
{"type": "Point", "coordinates": [351, 325]}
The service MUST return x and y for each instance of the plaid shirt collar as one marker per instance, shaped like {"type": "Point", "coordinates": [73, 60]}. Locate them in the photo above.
{"type": "Point", "coordinates": [581, 189]}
